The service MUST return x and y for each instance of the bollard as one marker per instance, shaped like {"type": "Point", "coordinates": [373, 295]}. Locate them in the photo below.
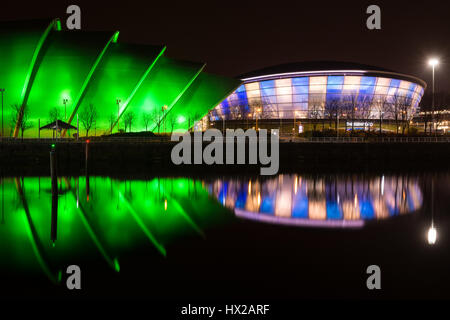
{"type": "Point", "coordinates": [54, 179]}
{"type": "Point", "coordinates": [87, 170]}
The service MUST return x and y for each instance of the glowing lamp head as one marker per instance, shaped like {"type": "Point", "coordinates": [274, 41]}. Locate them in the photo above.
{"type": "Point", "coordinates": [433, 62]}
{"type": "Point", "coordinates": [432, 235]}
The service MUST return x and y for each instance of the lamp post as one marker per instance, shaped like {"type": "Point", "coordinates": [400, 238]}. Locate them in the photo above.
{"type": "Point", "coordinates": [433, 63]}
{"type": "Point", "coordinates": [337, 124]}
{"type": "Point", "coordinates": [163, 109]}
{"type": "Point", "coordinates": [432, 233]}
{"type": "Point", "coordinates": [2, 90]}
{"type": "Point", "coordinates": [118, 113]}
{"type": "Point", "coordinates": [65, 100]}
{"type": "Point", "coordinates": [258, 111]}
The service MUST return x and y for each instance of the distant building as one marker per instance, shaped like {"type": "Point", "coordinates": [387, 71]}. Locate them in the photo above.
{"type": "Point", "coordinates": [311, 92]}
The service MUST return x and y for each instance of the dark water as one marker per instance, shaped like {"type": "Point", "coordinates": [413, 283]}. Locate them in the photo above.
{"type": "Point", "coordinates": [288, 236]}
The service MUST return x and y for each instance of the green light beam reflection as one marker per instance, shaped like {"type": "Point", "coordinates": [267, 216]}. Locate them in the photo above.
{"type": "Point", "coordinates": [142, 225]}
{"type": "Point", "coordinates": [34, 238]}
{"type": "Point", "coordinates": [184, 214]}
{"type": "Point", "coordinates": [113, 263]}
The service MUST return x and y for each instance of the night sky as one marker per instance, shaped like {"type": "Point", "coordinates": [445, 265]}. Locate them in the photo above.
{"type": "Point", "coordinates": [235, 37]}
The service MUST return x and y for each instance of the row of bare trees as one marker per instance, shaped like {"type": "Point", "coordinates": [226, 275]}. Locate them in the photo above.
{"type": "Point", "coordinates": [319, 108]}
{"type": "Point", "coordinates": [156, 120]}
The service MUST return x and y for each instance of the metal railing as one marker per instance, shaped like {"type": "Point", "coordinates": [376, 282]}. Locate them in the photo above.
{"type": "Point", "coordinates": [161, 139]}
{"type": "Point", "coordinates": [366, 139]}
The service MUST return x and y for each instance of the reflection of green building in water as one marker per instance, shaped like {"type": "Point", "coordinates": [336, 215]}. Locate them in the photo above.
{"type": "Point", "coordinates": [98, 218]}
{"type": "Point", "coordinates": [49, 72]}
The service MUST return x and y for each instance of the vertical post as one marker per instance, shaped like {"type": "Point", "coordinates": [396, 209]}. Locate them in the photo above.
{"type": "Point", "coordinates": [164, 108]}
{"type": "Point", "coordinates": [2, 90]}
{"type": "Point", "coordinates": [87, 170]}
{"type": "Point", "coordinates": [293, 130]}
{"type": "Point", "coordinates": [3, 201]}
{"type": "Point", "coordinates": [381, 121]}
{"type": "Point", "coordinates": [86, 160]}
{"type": "Point", "coordinates": [78, 127]}
{"type": "Point", "coordinates": [54, 178]}
{"type": "Point", "coordinates": [337, 125]}
{"type": "Point", "coordinates": [118, 114]}
{"type": "Point", "coordinates": [432, 105]}
{"type": "Point", "coordinates": [87, 154]}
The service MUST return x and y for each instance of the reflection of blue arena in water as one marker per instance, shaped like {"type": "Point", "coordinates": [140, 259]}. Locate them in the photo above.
{"type": "Point", "coordinates": [315, 90]}
{"type": "Point", "coordinates": [319, 202]}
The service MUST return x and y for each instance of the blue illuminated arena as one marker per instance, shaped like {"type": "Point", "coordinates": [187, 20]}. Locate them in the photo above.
{"type": "Point", "coordinates": [320, 90]}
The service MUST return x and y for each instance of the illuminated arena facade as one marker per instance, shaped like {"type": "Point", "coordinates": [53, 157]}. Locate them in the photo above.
{"type": "Point", "coordinates": [322, 90]}
{"type": "Point", "coordinates": [45, 69]}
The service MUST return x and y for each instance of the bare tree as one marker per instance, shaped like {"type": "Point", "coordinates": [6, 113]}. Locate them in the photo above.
{"type": "Point", "coordinates": [54, 114]}
{"type": "Point", "coordinates": [332, 110]}
{"type": "Point", "coordinates": [399, 105]}
{"type": "Point", "coordinates": [364, 103]}
{"type": "Point", "coordinates": [21, 118]}
{"type": "Point", "coordinates": [172, 123]}
{"type": "Point", "coordinates": [381, 106]}
{"type": "Point", "coordinates": [87, 117]}
{"type": "Point", "coordinates": [146, 118]}
{"type": "Point", "coordinates": [267, 109]}
{"type": "Point", "coordinates": [112, 120]}
{"type": "Point", "coordinates": [315, 108]}
{"type": "Point", "coordinates": [156, 118]}
{"type": "Point", "coordinates": [128, 120]}
{"type": "Point", "coordinates": [239, 111]}
{"type": "Point", "coordinates": [406, 115]}
{"type": "Point", "coordinates": [351, 107]}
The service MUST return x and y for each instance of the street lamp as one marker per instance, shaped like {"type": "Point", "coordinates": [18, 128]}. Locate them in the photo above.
{"type": "Point", "coordinates": [433, 63]}
{"type": "Point", "coordinates": [2, 90]}
{"type": "Point", "coordinates": [118, 101]}
{"type": "Point", "coordinates": [163, 109]}
{"type": "Point", "coordinates": [432, 235]}
{"type": "Point", "coordinates": [258, 111]}
{"type": "Point", "coordinates": [65, 100]}
{"type": "Point", "coordinates": [432, 232]}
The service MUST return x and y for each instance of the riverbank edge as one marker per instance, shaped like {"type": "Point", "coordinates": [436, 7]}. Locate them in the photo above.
{"type": "Point", "coordinates": [116, 158]}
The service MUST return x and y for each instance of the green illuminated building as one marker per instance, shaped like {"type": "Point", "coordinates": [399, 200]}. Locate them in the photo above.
{"type": "Point", "coordinates": [44, 68]}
